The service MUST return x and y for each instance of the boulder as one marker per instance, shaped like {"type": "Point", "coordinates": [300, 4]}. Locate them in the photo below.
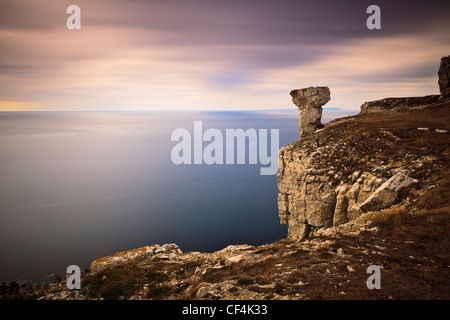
{"type": "Point", "coordinates": [387, 194]}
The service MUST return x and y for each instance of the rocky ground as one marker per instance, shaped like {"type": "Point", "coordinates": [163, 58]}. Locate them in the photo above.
{"type": "Point", "coordinates": [409, 241]}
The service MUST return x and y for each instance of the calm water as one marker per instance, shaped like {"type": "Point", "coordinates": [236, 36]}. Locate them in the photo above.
{"type": "Point", "coordinates": [77, 186]}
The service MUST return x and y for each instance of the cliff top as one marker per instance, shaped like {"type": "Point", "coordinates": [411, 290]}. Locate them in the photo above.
{"type": "Point", "coordinates": [414, 139]}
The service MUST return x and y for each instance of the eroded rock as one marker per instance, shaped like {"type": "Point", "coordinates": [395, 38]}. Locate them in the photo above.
{"type": "Point", "coordinates": [166, 251]}
{"type": "Point", "coordinates": [387, 194]}
{"type": "Point", "coordinates": [444, 77]}
{"type": "Point", "coordinates": [310, 101]}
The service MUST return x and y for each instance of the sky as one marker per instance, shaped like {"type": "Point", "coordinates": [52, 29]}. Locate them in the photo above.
{"type": "Point", "coordinates": [215, 55]}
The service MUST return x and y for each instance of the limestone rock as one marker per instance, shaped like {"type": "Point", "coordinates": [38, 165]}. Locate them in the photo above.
{"type": "Point", "coordinates": [444, 77]}
{"type": "Point", "coordinates": [311, 97]}
{"type": "Point", "coordinates": [208, 290]}
{"type": "Point", "coordinates": [234, 259]}
{"type": "Point", "coordinates": [309, 120]}
{"type": "Point", "coordinates": [398, 103]}
{"type": "Point", "coordinates": [311, 204]}
{"type": "Point", "coordinates": [310, 101]}
{"type": "Point", "coordinates": [232, 250]}
{"type": "Point", "coordinates": [387, 194]}
{"type": "Point", "coordinates": [135, 255]}
{"type": "Point", "coordinates": [340, 211]}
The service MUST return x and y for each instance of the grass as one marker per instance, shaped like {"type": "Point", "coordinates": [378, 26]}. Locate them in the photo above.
{"type": "Point", "coordinates": [437, 197]}
{"type": "Point", "coordinates": [430, 223]}
{"type": "Point", "coordinates": [115, 284]}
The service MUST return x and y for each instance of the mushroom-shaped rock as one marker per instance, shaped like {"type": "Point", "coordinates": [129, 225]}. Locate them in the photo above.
{"type": "Point", "coordinates": [310, 101]}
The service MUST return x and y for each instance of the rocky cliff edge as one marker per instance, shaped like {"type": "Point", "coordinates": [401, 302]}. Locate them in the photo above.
{"type": "Point", "coordinates": [389, 153]}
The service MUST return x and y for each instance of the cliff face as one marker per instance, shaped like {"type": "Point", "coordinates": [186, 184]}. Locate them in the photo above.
{"type": "Point", "coordinates": [359, 164]}
{"type": "Point", "coordinates": [312, 197]}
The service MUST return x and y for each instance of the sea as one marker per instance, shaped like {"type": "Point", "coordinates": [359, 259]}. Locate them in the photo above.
{"type": "Point", "coordinates": [76, 186]}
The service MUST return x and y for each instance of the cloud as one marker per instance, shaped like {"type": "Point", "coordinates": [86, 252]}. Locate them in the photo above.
{"type": "Point", "coordinates": [214, 54]}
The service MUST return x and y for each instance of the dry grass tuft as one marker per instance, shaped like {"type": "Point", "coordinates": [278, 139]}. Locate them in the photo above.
{"type": "Point", "coordinates": [391, 217]}
{"type": "Point", "coordinates": [438, 197]}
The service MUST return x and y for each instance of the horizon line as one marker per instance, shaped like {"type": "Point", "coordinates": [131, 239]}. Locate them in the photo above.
{"type": "Point", "coordinates": [183, 110]}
